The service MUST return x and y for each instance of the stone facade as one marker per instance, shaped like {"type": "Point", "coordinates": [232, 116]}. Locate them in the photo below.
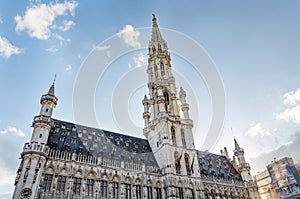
{"type": "Point", "coordinates": [66, 160]}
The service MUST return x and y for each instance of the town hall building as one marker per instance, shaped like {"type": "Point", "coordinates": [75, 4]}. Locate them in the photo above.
{"type": "Point", "coordinates": [67, 160]}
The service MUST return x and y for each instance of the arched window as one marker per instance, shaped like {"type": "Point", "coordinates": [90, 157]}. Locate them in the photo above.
{"type": "Point", "coordinates": [127, 188]}
{"type": "Point", "coordinates": [115, 188]}
{"type": "Point", "coordinates": [162, 68]}
{"type": "Point", "coordinates": [187, 163]}
{"type": "Point", "coordinates": [138, 191]}
{"type": "Point", "coordinates": [180, 193]}
{"type": "Point", "coordinates": [155, 68]}
{"type": "Point", "coordinates": [61, 183]}
{"type": "Point", "coordinates": [149, 190]}
{"type": "Point", "coordinates": [76, 185]}
{"type": "Point", "coordinates": [167, 102]}
{"type": "Point", "coordinates": [177, 162]}
{"type": "Point", "coordinates": [158, 191]}
{"type": "Point", "coordinates": [173, 135]}
{"type": "Point", "coordinates": [183, 138]}
{"type": "Point", "coordinates": [90, 187]}
{"type": "Point", "coordinates": [103, 188]}
{"type": "Point", "coordinates": [154, 50]}
{"type": "Point", "coordinates": [47, 182]}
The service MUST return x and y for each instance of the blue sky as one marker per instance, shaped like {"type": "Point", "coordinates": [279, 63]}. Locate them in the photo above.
{"type": "Point", "coordinates": [254, 44]}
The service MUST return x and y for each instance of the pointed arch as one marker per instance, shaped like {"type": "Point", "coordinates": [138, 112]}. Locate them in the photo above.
{"type": "Point", "coordinates": [167, 101]}
{"type": "Point", "coordinates": [183, 138]}
{"type": "Point", "coordinates": [187, 163]}
{"type": "Point", "coordinates": [159, 47]}
{"type": "Point", "coordinates": [177, 162]}
{"type": "Point", "coordinates": [173, 135]}
{"type": "Point", "coordinates": [162, 68]}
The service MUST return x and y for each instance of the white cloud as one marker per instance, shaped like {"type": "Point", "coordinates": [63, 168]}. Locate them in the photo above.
{"type": "Point", "coordinates": [290, 148]}
{"type": "Point", "coordinates": [292, 97]}
{"type": "Point", "coordinates": [39, 18]}
{"type": "Point", "coordinates": [14, 130]}
{"type": "Point", "coordinates": [66, 25]}
{"type": "Point", "coordinates": [7, 49]}
{"type": "Point", "coordinates": [52, 49]}
{"type": "Point", "coordinates": [290, 114]}
{"type": "Point", "coordinates": [61, 40]}
{"type": "Point", "coordinates": [102, 48]}
{"type": "Point", "coordinates": [140, 60]}
{"type": "Point", "coordinates": [130, 36]}
{"type": "Point", "coordinates": [257, 129]}
{"type": "Point", "coordinates": [1, 21]}
{"type": "Point", "coordinates": [7, 175]}
{"type": "Point", "coordinates": [69, 68]}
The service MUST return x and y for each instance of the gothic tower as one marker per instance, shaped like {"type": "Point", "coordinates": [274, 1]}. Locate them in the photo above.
{"type": "Point", "coordinates": [243, 166]}
{"type": "Point", "coordinates": [170, 135]}
{"type": "Point", "coordinates": [34, 153]}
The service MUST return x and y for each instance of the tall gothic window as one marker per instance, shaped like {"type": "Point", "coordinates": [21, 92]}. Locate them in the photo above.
{"type": "Point", "coordinates": [191, 195]}
{"type": "Point", "coordinates": [76, 186]}
{"type": "Point", "coordinates": [127, 191]}
{"type": "Point", "coordinates": [115, 188]}
{"type": "Point", "coordinates": [167, 102]}
{"type": "Point", "coordinates": [158, 193]}
{"type": "Point", "coordinates": [162, 68]}
{"type": "Point", "coordinates": [138, 192]}
{"type": "Point", "coordinates": [159, 47]}
{"type": "Point", "coordinates": [61, 183]}
{"type": "Point", "coordinates": [149, 192]}
{"type": "Point", "coordinates": [47, 182]}
{"type": "Point", "coordinates": [103, 188]}
{"type": "Point", "coordinates": [90, 187]}
{"type": "Point", "coordinates": [183, 138]}
{"type": "Point", "coordinates": [173, 135]}
{"type": "Point", "coordinates": [177, 162]}
{"type": "Point", "coordinates": [180, 192]}
{"type": "Point", "coordinates": [187, 163]}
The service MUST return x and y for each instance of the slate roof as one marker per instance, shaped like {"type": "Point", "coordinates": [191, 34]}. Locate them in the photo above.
{"type": "Point", "coordinates": [74, 138]}
{"type": "Point", "coordinates": [216, 165]}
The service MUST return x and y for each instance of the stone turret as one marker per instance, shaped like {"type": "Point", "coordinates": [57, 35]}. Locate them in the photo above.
{"type": "Point", "coordinates": [35, 152]}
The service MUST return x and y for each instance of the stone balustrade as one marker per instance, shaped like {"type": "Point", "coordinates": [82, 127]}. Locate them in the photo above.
{"type": "Point", "coordinates": [106, 162]}
{"type": "Point", "coordinates": [36, 147]}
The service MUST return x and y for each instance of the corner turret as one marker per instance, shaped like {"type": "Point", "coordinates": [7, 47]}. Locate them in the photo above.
{"type": "Point", "coordinates": [36, 151]}
{"type": "Point", "coordinates": [243, 167]}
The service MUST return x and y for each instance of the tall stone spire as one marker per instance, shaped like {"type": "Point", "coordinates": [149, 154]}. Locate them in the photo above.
{"type": "Point", "coordinates": [243, 167]}
{"type": "Point", "coordinates": [51, 89]}
{"type": "Point", "coordinates": [170, 135]}
{"type": "Point", "coordinates": [157, 43]}
{"type": "Point", "coordinates": [236, 144]}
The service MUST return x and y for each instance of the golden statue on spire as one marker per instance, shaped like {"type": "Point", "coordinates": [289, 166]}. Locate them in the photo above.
{"type": "Point", "coordinates": [153, 17]}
